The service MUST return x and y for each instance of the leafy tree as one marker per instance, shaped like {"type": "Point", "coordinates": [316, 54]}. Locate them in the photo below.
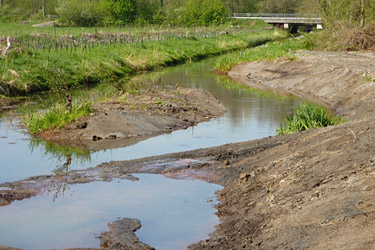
{"type": "Point", "coordinates": [205, 12]}
{"type": "Point", "coordinates": [79, 13]}
{"type": "Point", "coordinates": [125, 11]}
{"type": "Point", "coordinates": [214, 12]}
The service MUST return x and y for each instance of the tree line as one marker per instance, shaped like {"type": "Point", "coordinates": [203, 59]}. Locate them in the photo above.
{"type": "Point", "coordinates": [119, 12]}
{"type": "Point", "coordinates": [187, 12]}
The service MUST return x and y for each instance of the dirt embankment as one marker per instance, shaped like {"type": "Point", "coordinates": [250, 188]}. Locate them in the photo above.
{"type": "Point", "coordinates": [137, 117]}
{"type": "Point", "coordinates": [308, 190]}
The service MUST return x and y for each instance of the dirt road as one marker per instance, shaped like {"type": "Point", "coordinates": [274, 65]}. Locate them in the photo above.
{"type": "Point", "coordinates": [308, 190]}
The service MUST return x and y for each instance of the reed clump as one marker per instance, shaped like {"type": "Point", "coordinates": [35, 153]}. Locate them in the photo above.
{"type": "Point", "coordinates": [308, 116]}
{"type": "Point", "coordinates": [56, 117]}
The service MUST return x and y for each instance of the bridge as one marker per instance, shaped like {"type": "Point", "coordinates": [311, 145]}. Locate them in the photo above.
{"type": "Point", "coordinates": [284, 21]}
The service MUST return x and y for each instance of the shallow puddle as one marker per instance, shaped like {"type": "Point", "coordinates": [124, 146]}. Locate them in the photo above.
{"type": "Point", "coordinates": [173, 213]}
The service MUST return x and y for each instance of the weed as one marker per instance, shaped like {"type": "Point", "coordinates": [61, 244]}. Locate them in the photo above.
{"type": "Point", "coordinates": [159, 102]}
{"type": "Point", "coordinates": [308, 116]}
{"type": "Point", "coordinates": [57, 117]}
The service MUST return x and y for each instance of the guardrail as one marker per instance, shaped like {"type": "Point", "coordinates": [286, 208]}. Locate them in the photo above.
{"type": "Point", "coordinates": [275, 15]}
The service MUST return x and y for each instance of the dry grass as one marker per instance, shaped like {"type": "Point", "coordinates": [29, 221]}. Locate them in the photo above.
{"type": "Point", "coordinates": [344, 37]}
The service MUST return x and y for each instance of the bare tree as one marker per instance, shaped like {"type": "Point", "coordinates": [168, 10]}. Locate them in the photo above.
{"type": "Point", "coordinates": [161, 3]}
{"type": "Point", "coordinates": [1, 3]}
{"type": "Point", "coordinates": [363, 13]}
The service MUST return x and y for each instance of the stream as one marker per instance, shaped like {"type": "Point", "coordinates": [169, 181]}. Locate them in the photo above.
{"type": "Point", "coordinates": [173, 213]}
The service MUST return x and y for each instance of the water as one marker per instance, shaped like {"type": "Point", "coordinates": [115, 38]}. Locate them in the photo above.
{"type": "Point", "coordinates": [174, 213]}
{"type": "Point", "coordinates": [249, 116]}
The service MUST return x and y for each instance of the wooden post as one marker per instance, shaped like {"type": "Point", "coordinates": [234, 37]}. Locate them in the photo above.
{"type": "Point", "coordinates": [44, 8]}
{"type": "Point", "coordinates": [363, 13]}
{"type": "Point", "coordinates": [6, 50]}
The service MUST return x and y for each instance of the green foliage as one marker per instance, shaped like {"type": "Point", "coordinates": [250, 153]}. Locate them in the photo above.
{"type": "Point", "coordinates": [347, 12]}
{"type": "Point", "coordinates": [32, 70]}
{"type": "Point", "coordinates": [308, 116]}
{"type": "Point", "coordinates": [57, 117]}
{"type": "Point", "coordinates": [16, 10]}
{"type": "Point", "coordinates": [124, 11]}
{"type": "Point", "coordinates": [205, 12]}
{"type": "Point", "coordinates": [79, 13]}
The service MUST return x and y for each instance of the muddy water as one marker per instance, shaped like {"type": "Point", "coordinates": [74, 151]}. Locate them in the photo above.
{"type": "Point", "coordinates": [250, 115]}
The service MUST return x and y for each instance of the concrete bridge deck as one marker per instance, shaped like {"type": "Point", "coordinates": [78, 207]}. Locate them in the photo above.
{"type": "Point", "coordinates": [280, 18]}
{"type": "Point", "coordinates": [283, 20]}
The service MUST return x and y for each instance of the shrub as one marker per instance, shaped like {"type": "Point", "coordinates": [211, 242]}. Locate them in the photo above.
{"type": "Point", "coordinates": [79, 13]}
{"type": "Point", "coordinates": [205, 12]}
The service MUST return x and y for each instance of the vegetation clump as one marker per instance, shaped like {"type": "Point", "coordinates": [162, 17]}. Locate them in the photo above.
{"type": "Point", "coordinates": [308, 116]}
{"type": "Point", "coordinates": [56, 117]}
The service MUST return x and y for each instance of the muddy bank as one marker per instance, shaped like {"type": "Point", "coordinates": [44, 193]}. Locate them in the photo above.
{"type": "Point", "coordinates": [308, 190]}
{"type": "Point", "coordinates": [135, 117]}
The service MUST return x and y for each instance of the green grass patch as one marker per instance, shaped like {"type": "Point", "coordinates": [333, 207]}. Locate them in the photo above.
{"type": "Point", "coordinates": [57, 117]}
{"type": "Point", "coordinates": [308, 116]}
{"type": "Point", "coordinates": [269, 51]}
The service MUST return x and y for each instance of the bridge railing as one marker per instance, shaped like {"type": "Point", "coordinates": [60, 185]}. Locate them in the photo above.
{"type": "Point", "coordinates": [274, 15]}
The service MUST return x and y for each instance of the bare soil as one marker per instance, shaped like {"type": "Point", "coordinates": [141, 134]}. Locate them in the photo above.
{"type": "Point", "coordinates": [137, 117]}
{"type": "Point", "coordinates": [308, 190]}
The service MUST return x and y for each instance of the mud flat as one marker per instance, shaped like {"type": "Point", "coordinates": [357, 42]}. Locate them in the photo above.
{"type": "Point", "coordinates": [308, 190]}
{"type": "Point", "coordinates": [137, 117]}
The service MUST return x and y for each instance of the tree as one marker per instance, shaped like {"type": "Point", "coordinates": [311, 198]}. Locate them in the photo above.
{"type": "Point", "coordinates": [125, 11]}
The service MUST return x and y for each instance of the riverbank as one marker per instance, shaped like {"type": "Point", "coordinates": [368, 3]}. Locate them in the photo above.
{"type": "Point", "coordinates": [131, 118]}
{"type": "Point", "coordinates": [308, 190]}
{"type": "Point", "coordinates": [36, 61]}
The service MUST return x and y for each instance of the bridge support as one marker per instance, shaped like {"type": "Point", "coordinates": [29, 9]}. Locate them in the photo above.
{"type": "Point", "coordinates": [294, 27]}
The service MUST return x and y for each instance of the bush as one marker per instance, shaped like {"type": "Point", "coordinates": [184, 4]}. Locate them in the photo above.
{"type": "Point", "coordinates": [80, 13]}
{"type": "Point", "coordinates": [125, 11]}
{"type": "Point", "coordinates": [205, 12]}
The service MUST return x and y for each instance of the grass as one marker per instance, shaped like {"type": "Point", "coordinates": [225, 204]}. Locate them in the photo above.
{"type": "Point", "coordinates": [308, 116]}
{"type": "Point", "coordinates": [269, 51]}
{"type": "Point", "coordinates": [26, 70]}
{"type": "Point", "coordinates": [57, 117]}
{"type": "Point", "coordinates": [17, 29]}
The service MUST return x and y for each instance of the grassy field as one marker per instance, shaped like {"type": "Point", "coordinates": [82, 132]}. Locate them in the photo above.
{"type": "Point", "coordinates": [17, 29]}
{"type": "Point", "coordinates": [73, 62]}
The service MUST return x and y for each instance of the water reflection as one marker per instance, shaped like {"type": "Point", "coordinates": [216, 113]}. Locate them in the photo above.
{"type": "Point", "coordinates": [251, 114]}
{"type": "Point", "coordinates": [174, 213]}
{"type": "Point", "coordinates": [63, 155]}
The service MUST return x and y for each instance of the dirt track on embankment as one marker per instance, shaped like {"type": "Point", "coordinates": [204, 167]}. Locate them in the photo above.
{"type": "Point", "coordinates": [308, 190]}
